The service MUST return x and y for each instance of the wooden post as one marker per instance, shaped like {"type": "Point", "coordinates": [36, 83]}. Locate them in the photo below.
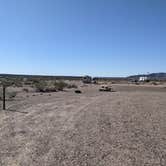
{"type": "Point", "coordinates": [4, 97]}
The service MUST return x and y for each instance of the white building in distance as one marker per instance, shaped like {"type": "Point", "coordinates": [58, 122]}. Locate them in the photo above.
{"type": "Point", "coordinates": [143, 78]}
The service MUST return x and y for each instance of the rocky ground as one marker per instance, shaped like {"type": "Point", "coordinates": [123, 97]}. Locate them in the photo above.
{"type": "Point", "coordinates": [122, 128]}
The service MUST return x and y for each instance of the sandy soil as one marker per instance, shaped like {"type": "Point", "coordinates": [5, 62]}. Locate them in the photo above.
{"type": "Point", "coordinates": [122, 128]}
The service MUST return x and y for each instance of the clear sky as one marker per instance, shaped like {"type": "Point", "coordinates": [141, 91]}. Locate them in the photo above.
{"type": "Point", "coordinates": [78, 37]}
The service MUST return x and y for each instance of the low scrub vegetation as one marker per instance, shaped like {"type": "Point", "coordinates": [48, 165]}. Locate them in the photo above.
{"type": "Point", "coordinates": [26, 90]}
{"type": "Point", "coordinates": [78, 91]}
{"type": "Point", "coordinates": [70, 86]}
{"type": "Point", "coordinates": [40, 86]}
{"type": "Point", "coordinates": [11, 82]}
{"type": "Point", "coordinates": [12, 95]}
{"type": "Point", "coordinates": [9, 95]}
{"type": "Point", "coordinates": [60, 85]}
{"type": "Point", "coordinates": [52, 86]}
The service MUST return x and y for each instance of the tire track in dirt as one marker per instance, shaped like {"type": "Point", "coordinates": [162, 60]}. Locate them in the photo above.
{"type": "Point", "coordinates": [105, 134]}
{"type": "Point", "coordinates": [110, 129]}
{"type": "Point", "coordinates": [44, 126]}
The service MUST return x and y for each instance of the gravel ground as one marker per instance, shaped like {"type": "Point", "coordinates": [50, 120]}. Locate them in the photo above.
{"type": "Point", "coordinates": [123, 128]}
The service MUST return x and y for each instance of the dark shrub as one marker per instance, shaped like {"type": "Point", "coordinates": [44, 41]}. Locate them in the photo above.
{"type": "Point", "coordinates": [26, 90]}
{"type": "Point", "coordinates": [41, 86]}
{"type": "Point", "coordinates": [78, 91]}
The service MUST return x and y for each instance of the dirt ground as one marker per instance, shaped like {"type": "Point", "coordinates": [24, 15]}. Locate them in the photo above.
{"type": "Point", "coordinates": [122, 128]}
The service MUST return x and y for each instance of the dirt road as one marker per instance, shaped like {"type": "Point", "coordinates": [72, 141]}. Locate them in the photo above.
{"type": "Point", "coordinates": [90, 129]}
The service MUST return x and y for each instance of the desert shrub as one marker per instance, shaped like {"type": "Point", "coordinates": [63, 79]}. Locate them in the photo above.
{"type": "Point", "coordinates": [52, 86]}
{"type": "Point", "coordinates": [137, 83]}
{"type": "Point", "coordinates": [147, 81]}
{"type": "Point", "coordinates": [44, 86]}
{"type": "Point", "coordinates": [34, 82]}
{"type": "Point", "coordinates": [26, 90]}
{"type": "Point", "coordinates": [40, 86]}
{"type": "Point", "coordinates": [9, 95]}
{"type": "Point", "coordinates": [154, 83]}
{"type": "Point", "coordinates": [6, 82]}
{"type": "Point", "coordinates": [50, 89]}
{"type": "Point", "coordinates": [60, 85]}
{"type": "Point", "coordinates": [28, 83]}
{"type": "Point", "coordinates": [72, 86]}
{"type": "Point", "coordinates": [11, 82]}
{"type": "Point", "coordinates": [78, 91]}
{"type": "Point", "coordinates": [17, 83]}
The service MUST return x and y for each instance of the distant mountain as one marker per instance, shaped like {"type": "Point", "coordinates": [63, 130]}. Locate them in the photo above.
{"type": "Point", "coordinates": [152, 76]}
{"type": "Point", "coordinates": [40, 76]}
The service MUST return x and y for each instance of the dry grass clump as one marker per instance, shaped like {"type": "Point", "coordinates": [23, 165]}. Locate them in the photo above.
{"type": "Point", "coordinates": [9, 95]}
{"type": "Point", "coordinates": [17, 83]}
{"type": "Point", "coordinates": [26, 90]}
{"type": "Point", "coordinates": [72, 86]}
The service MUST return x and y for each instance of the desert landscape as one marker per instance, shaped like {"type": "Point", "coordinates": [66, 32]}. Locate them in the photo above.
{"type": "Point", "coordinates": [125, 127]}
{"type": "Point", "coordinates": [82, 83]}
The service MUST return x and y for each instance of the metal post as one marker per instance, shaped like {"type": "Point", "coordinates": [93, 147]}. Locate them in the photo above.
{"type": "Point", "coordinates": [4, 98]}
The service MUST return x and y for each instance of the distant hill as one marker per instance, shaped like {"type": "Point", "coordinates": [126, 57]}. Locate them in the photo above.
{"type": "Point", "coordinates": [152, 76]}
{"type": "Point", "coordinates": [40, 76]}
{"type": "Point", "coordinates": [60, 77]}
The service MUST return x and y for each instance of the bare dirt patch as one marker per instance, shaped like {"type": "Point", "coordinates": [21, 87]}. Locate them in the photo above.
{"type": "Point", "coordinates": [126, 127]}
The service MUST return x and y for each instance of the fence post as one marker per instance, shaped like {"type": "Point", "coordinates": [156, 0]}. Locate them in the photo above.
{"type": "Point", "coordinates": [4, 97]}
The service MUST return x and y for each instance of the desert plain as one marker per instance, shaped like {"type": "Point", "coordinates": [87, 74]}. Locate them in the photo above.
{"type": "Point", "coordinates": [126, 127]}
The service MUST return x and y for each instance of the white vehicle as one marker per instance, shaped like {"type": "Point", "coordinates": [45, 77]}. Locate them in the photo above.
{"type": "Point", "coordinates": [106, 88]}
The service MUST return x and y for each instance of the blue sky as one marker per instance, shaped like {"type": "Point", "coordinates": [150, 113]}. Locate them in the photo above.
{"type": "Point", "coordinates": [78, 37]}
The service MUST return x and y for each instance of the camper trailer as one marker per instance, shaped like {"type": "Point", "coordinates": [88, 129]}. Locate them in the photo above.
{"type": "Point", "coordinates": [87, 80]}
